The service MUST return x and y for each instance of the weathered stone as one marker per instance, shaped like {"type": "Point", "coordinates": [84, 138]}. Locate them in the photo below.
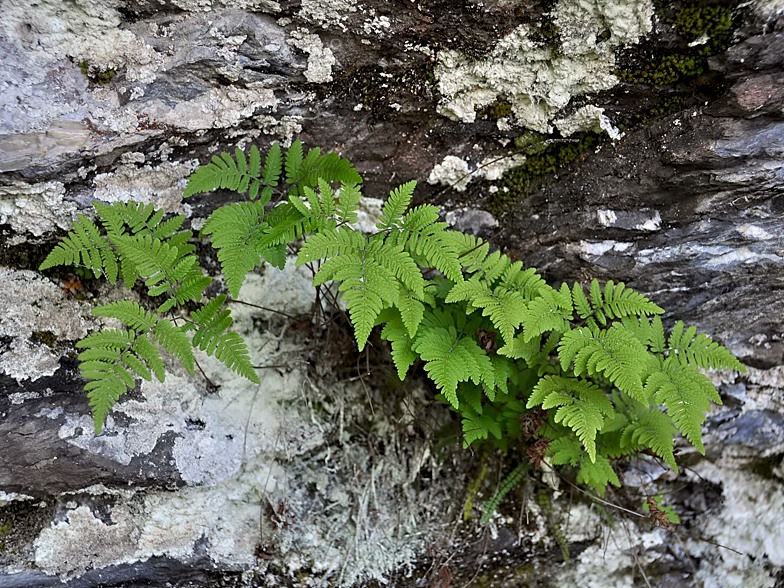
{"type": "Point", "coordinates": [313, 475]}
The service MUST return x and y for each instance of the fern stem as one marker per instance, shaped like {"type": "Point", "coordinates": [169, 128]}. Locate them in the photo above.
{"type": "Point", "coordinates": [262, 308]}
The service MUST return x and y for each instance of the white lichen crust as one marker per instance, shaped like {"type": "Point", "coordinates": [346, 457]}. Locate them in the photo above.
{"type": "Point", "coordinates": [526, 73]}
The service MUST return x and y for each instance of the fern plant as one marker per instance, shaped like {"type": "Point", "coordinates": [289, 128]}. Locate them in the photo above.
{"type": "Point", "coordinates": [578, 379]}
{"type": "Point", "coordinates": [133, 242]}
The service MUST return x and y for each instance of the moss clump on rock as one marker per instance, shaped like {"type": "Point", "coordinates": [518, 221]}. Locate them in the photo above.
{"type": "Point", "coordinates": [377, 89]}
{"type": "Point", "coordinates": [46, 337]}
{"type": "Point", "coordinates": [542, 159]}
{"type": "Point", "coordinates": [665, 69]}
{"type": "Point", "coordinates": [95, 75]}
{"type": "Point", "coordinates": [547, 34]}
{"type": "Point", "coordinates": [704, 30]}
{"type": "Point", "coordinates": [498, 109]}
{"type": "Point", "coordinates": [695, 22]}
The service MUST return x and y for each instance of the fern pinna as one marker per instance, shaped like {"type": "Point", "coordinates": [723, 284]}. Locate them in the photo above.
{"type": "Point", "coordinates": [595, 372]}
{"type": "Point", "coordinates": [132, 241]}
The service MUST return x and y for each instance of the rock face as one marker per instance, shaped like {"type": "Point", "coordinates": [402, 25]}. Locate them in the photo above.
{"type": "Point", "coordinates": [620, 140]}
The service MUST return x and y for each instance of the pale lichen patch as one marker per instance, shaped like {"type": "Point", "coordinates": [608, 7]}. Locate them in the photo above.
{"type": "Point", "coordinates": [35, 208]}
{"type": "Point", "coordinates": [536, 81]}
{"type": "Point", "coordinates": [320, 58]}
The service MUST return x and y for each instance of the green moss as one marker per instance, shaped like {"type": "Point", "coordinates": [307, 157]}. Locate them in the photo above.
{"type": "Point", "coordinates": [377, 88]}
{"type": "Point", "coordinates": [694, 22]}
{"type": "Point", "coordinates": [95, 75]}
{"type": "Point", "coordinates": [665, 69]}
{"type": "Point", "coordinates": [46, 337]}
{"type": "Point", "coordinates": [27, 255]}
{"type": "Point", "coordinates": [542, 159]}
{"type": "Point", "coordinates": [547, 34]}
{"type": "Point", "coordinates": [657, 67]}
{"type": "Point", "coordinates": [603, 36]}
{"type": "Point", "coordinates": [20, 523]}
{"type": "Point", "coordinates": [498, 109]}
{"type": "Point", "coordinates": [664, 106]}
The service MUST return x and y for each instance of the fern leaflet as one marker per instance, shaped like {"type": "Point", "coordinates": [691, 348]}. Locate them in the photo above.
{"type": "Point", "coordinates": [452, 358]}
{"type": "Point", "coordinates": [236, 230]}
{"type": "Point", "coordinates": [685, 393]}
{"type": "Point", "coordinates": [212, 337]}
{"type": "Point", "coordinates": [583, 407]}
{"type": "Point", "coordinates": [700, 350]}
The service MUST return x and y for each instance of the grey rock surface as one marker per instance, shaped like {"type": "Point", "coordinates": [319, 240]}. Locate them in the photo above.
{"type": "Point", "coordinates": [317, 477]}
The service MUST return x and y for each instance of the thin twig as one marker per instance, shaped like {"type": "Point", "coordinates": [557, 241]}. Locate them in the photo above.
{"type": "Point", "coordinates": [263, 308]}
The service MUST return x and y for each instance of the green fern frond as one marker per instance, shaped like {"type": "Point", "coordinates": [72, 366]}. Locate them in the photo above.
{"type": "Point", "coordinates": [396, 333]}
{"type": "Point", "coordinates": [503, 370]}
{"type": "Point", "coordinates": [305, 171]}
{"type": "Point", "coordinates": [348, 203]}
{"type": "Point", "coordinates": [152, 259]}
{"type": "Point", "coordinates": [192, 287]}
{"type": "Point", "coordinates": [471, 395]}
{"type": "Point", "coordinates": [651, 429]}
{"type": "Point", "coordinates": [369, 271]}
{"type": "Point", "coordinates": [420, 217]}
{"type": "Point", "coordinates": [510, 481]}
{"type": "Point", "coordinates": [175, 340]}
{"type": "Point", "coordinates": [685, 393]}
{"type": "Point", "coordinates": [583, 407]}
{"type": "Point", "coordinates": [477, 427]}
{"type": "Point", "coordinates": [412, 311]}
{"type": "Point", "coordinates": [273, 165]}
{"type": "Point", "coordinates": [105, 358]}
{"type": "Point", "coordinates": [452, 358]}
{"type": "Point", "coordinates": [395, 207]}
{"type": "Point", "coordinates": [130, 313]}
{"type": "Point", "coordinates": [527, 283]}
{"type": "Point", "coordinates": [344, 241]}
{"type": "Point", "coordinates": [102, 394]}
{"type": "Point", "coordinates": [169, 228]}
{"type": "Point", "coordinates": [494, 266]}
{"type": "Point", "coordinates": [254, 159]}
{"type": "Point", "coordinates": [211, 337]}
{"type": "Point", "coordinates": [148, 352]}
{"type": "Point", "coordinates": [136, 216]}
{"type": "Point", "coordinates": [700, 350]}
{"type": "Point", "coordinates": [330, 167]}
{"type": "Point", "coordinates": [550, 312]}
{"type": "Point", "coordinates": [224, 172]}
{"type": "Point", "coordinates": [326, 198]}
{"type": "Point", "coordinates": [366, 286]}
{"type": "Point", "coordinates": [613, 353]}
{"type": "Point", "coordinates": [617, 301]}
{"type": "Point", "coordinates": [84, 246]}
{"type": "Point", "coordinates": [293, 162]}
{"type": "Point", "coordinates": [598, 474]}
{"type": "Point", "coordinates": [286, 224]}
{"type": "Point", "coordinates": [565, 450]}
{"type": "Point", "coordinates": [235, 232]}
{"type": "Point", "coordinates": [649, 331]}
{"type": "Point", "coordinates": [518, 348]}
{"type": "Point", "coordinates": [430, 246]}
{"type": "Point", "coordinates": [506, 310]}
{"type": "Point", "coordinates": [399, 262]}
{"type": "Point", "coordinates": [110, 338]}
{"type": "Point", "coordinates": [276, 255]}
{"type": "Point", "coordinates": [470, 250]}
